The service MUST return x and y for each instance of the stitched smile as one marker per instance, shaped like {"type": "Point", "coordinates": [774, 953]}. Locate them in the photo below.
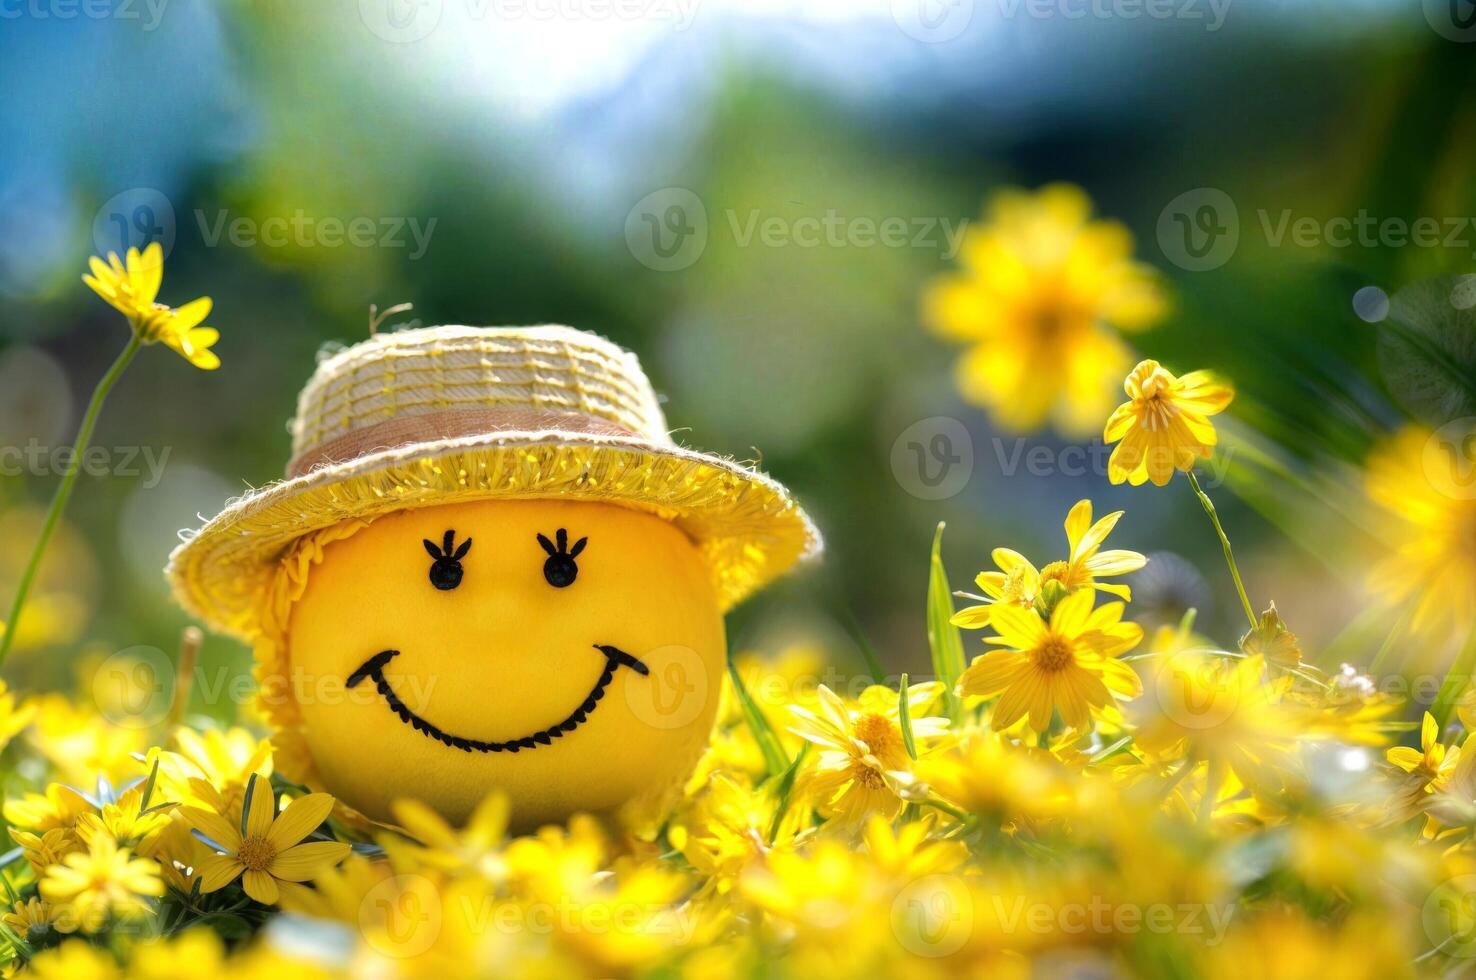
{"type": "Point", "coordinates": [614, 658]}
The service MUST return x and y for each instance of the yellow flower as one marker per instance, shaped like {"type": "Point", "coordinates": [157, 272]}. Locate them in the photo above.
{"type": "Point", "coordinates": [1431, 568]}
{"type": "Point", "coordinates": [83, 744]}
{"type": "Point", "coordinates": [1164, 425]}
{"type": "Point", "coordinates": [557, 860]}
{"type": "Point", "coordinates": [125, 821]}
{"type": "Point", "coordinates": [58, 808]}
{"type": "Point", "coordinates": [264, 849]}
{"type": "Point", "coordinates": [910, 851]}
{"type": "Point", "coordinates": [102, 883]}
{"type": "Point", "coordinates": [130, 287]}
{"type": "Point", "coordinates": [1223, 711]}
{"type": "Point", "coordinates": [998, 780]}
{"type": "Point", "coordinates": [32, 920]}
{"type": "Point", "coordinates": [210, 768]}
{"type": "Point", "coordinates": [1284, 944]}
{"type": "Point", "coordinates": [829, 900]}
{"type": "Point", "coordinates": [860, 746]}
{"type": "Point", "coordinates": [1432, 763]}
{"type": "Point", "coordinates": [1067, 664]}
{"type": "Point", "coordinates": [74, 960]}
{"type": "Point", "coordinates": [1041, 287]}
{"type": "Point", "coordinates": [477, 848]}
{"type": "Point", "coordinates": [46, 848]}
{"type": "Point", "coordinates": [729, 826]}
{"type": "Point", "coordinates": [194, 954]}
{"type": "Point", "coordinates": [339, 893]}
{"type": "Point", "coordinates": [1018, 582]}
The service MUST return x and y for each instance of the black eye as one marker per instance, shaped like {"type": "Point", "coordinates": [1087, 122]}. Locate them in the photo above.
{"type": "Point", "coordinates": [560, 569]}
{"type": "Point", "coordinates": [445, 571]}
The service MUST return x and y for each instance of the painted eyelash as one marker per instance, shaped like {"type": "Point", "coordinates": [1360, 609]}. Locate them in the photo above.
{"type": "Point", "coordinates": [560, 570]}
{"type": "Point", "coordinates": [446, 570]}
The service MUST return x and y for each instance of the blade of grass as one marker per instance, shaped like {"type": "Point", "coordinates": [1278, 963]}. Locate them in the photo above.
{"type": "Point", "coordinates": [1108, 751]}
{"type": "Point", "coordinates": [943, 637]}
{"type": "Point", "coordinates": [17, 943]}
{"type": "Point", "coordinates": [775, 761]}
{"type": "Point", "coordinates": [904, 719]}
{"type": "Point", "coordinates": [148, 790]}
{"type": "Point", "coordinates": [1455, 682]}
{"type": "Point", "coordinates": [785, 791]}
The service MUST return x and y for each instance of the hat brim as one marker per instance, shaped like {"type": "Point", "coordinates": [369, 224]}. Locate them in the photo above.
{"type": "Point", "coordinates": [747, 526]}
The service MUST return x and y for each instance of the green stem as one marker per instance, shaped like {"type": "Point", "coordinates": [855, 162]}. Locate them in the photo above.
{"type": "Point", "coordinates": [947, 808]}
{"type": "Point", "coordinates": [1211, 794]}
{"type": "Point", "coordinates": [1396, 634]}
{"type": "Point", "coordinates": [1209, 508]}
{"type": "Point", "coordinates": [64, 491]}
{"type": "Point", "coordinates": [1172, 783]}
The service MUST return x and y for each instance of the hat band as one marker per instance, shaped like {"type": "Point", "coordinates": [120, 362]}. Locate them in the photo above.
{"type": "Point", "coordinates": [409, 430]}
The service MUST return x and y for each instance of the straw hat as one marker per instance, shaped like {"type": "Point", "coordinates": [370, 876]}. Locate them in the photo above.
{"type": "Point", "coordinates": [424, 417]}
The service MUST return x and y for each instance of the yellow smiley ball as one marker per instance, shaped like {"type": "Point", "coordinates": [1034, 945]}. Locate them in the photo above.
{"type": "Point", "coordinates": [569, 654]}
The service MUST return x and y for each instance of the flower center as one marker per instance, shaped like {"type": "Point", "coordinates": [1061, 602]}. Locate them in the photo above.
{"type": "Point", "coordinates": [256, 853]}
{"type": "Point", "coordinates": [1015, 590]}
{"type": "Point", "coordinates": [1059, 571]}
{"type": "Point", "coordinates": [879, 734]}
{"type": "Point", "coordinates": [1054, 655]}
{"type": "Point", "coordinates": [1157, 384]}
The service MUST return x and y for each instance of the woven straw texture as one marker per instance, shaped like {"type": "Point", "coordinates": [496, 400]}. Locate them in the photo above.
{"type": "Point", "coordinates": [527, 412]}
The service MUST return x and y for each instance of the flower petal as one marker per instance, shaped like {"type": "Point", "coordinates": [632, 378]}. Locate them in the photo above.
{"type": "Point", "coordinates": [261, 804]}
{"type": "Point", "coordinates": [214, 826]}
{"type": "Point", "coordinates": [302, 817]}
{"type": "Point", "coordinates": [217, 871]}
{"type": "Point", "coordinates": [304, 861]}
{"type": "Point", "coordinates": [1077, 521]}
{"type": "Point", "coordinates": [260, 886]}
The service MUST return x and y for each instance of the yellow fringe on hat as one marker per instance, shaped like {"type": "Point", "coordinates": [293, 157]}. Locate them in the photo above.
{"type": "Point", "coordinates": [745, 525]}
{"type": "Point", "coordinates": [274, 694]}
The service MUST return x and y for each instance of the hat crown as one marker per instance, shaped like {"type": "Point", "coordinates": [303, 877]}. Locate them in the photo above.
{"type": "Point", "coordinates": [526, 378]}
